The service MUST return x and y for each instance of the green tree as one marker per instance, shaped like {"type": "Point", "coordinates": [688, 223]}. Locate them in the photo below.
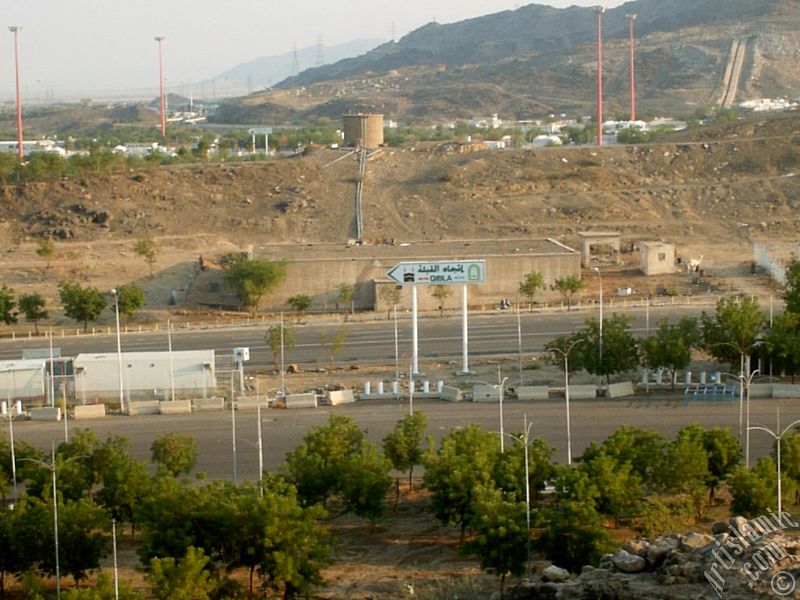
{"type": "Point", "coordinates": [531, 284]}
{"type": "Point", "coordinates": [252, 279]}
{"type": "Point", "coordinates": [300, 302]}
{"type": "Point", "coordinates": [81, 304]}
{"type": "Point", "coordinates": [575, 535]}
{"type": "Point", "coordinates": [333, 343]}
{"type": "Point", "coordinates": [509, 473]}
{"type": "Point", "coordinates": [755, 492]}
{"type": "Point", "coordinates": [670, 347]}
{"type": "Point", "coordinates": [391, 295]}
{"type": "Point", "coordinates": [441, 293]}
{"type": "Point", "coordinates": [130, 297]}
{"type": "Point", "coordinates": [643, 449]}
{"type": "Point", "coordinates": [147, 249]}
{"type": "Point", "coordinates": [791, 293]}
{"type": "Point", "coordinates": [403, 445]}
{"type": "Point", "coordinates": [344, 294]}
{"type": "Point", "coordinates": [273, 340]}
{"type": "Point", "coordinates": [618, 347]}
{"type": "Point", "coordinates": [82, 536]}
{"type": "Point", "coordinates": [365, 481]}
{"type": "Point", "coordinates": [15, 555]}
{"type": "Point", "coordinates": [175, 452]}
{"type": "Point", "coordinates": [783, 343]}
{"type": "Point", "coordinates": [125, 480]}
{"type": "Point", "coordinates": [104, 589]}
{"type": "Point", "coordinates": [501, 534]}
{"type": "Point", "coordinates": [317, 466]}
{"type": "Point", "coordinates": [185, 579]}
{"type": "Point", "coordinates": [7, 304]}
{"type": "Point", "coordinates": [46, 248]}
{"type": "Point", "coordinates": [731, 334]}
{"type": "Point", "coordinates": [568, 286]}
{"type": "Point", "coordinates": [464, 462]}
{"type": "Point", "coordinates": [618, 486]}
{"type": "Point", "coordinates": [32, 307]}
{"type": "Point", "coordinates": [684, 469]}
{"type": "Point", "coordinates": [724, 454]}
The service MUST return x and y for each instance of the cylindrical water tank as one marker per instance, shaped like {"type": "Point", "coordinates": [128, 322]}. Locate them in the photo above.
{"type": "Point", "coordinates": [367, 387]}
{"type": "Point", "coordinates": [380, 387]}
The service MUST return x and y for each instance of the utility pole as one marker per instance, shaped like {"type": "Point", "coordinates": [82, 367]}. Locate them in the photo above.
{"type": "Point", "coordinates": [599, 10]}
{"type": "Point", "coordinates": [631, 19]}
{"type": "Point", "coordinates": [15, 29]}
{"type": "Point", "coordinates": [160, 40]}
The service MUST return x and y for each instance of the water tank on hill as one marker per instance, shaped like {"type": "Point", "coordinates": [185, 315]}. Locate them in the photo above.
{"type": "Point", "coordinates": [363, 130]}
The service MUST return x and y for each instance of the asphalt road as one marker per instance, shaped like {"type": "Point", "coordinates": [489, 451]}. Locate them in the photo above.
{"type": "Point", "coordinates": [283, 430]}
{"type": "Point", "coordinates": [368, 342]}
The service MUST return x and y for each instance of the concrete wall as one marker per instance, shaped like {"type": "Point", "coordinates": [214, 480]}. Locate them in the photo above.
{"type": "Point", "coordinates": [656, 258]}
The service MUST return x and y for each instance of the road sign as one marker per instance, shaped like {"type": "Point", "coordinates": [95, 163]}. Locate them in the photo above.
{"type": "Point", "coordinates": [259, 130]}
{"type": "Point", "coordinates": [440, 272]}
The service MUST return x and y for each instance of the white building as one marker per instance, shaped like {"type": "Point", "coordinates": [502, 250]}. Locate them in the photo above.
{"type": "Point", "coordinates": [22, 379]}
{"type": "Point", "coordinates": [145, 375]}
{"type": "Point", "coordinates": [29, 147]}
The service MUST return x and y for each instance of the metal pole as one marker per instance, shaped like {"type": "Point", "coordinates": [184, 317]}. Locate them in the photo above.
{"type": "Point", "coordinates": [160, 40]}
{"type": "Point", "coordinates": [741, 393]}
{"type": "Point", "coordinates": [527, 488]}
{"type": "Point", "coordinates": [780, 436]}
{"type": "Point", "coordinates": [566, 398]}
{"type": "Point", "coordinates": [770, 328]}
{"type": "Point", "coordinates": [55, 521]}
{"type": "Point", "coordinates": [464, 331]}
{"type": "Point", "coordinates": [411, 390]}
{"type": "Point", "coordinates": [260, 447]}
{"type": "Point", "coordinates": [114, 545]}
{"type": "Point", "coordinates": [233, 429]}
{"type": "Point", "coordinates": [500, 385]}
{"type": "Point", "coordinates": [414, 332]}
{"type": "Point", "coordinates": [519, 342]}
{"type": "Point", "coordinates": [747, 426]}
{"type": "Point", "coordinates": [600, 278]}
{"type": "Point", "coordinates": [283, 367]}
{"type": "Point", "coordinates": [600, 10]}
{"type": "Point", "coordinates": [396, 346]}
{"type": "Point", "coordinates": [119, 351]}
{"type": "Point", "coordinates": [171, 366]}
{"type": "Point", "coordinates": [15, 30]}
{"type": "Point", "coordinates": [631, 19]}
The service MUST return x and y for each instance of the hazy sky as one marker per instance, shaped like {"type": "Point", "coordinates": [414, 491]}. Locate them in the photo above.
{"type": "Point", "coordinates": [81, 46]}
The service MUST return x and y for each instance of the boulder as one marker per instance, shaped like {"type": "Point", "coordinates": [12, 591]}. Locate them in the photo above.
{"type": "Point", "coordinates": [694, 541]}
{"type": "Point", "coordinates": [638, 547]}
{"type": "Point", "coordinates": [659, 548]}
{"type": "Point", "coordinates": [719, 527]}
{"type": "Point", "coordinates": [554, 573]}
{"type": "Point", "coordinates": [627, 562]}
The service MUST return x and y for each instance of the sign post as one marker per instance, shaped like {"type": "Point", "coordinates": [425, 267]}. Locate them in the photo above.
{"type": "Point", "coordinates": [443, 272]}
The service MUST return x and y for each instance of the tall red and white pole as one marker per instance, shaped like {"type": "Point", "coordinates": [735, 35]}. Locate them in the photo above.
{"type": "Point", "coordinates": [160, 40]}
{"type": "Point", "coordinates": [599, 10]}
{"type": "Point", "coordinates": [631, 19]}
{"type": "Point", "coordinates": [15, 29]}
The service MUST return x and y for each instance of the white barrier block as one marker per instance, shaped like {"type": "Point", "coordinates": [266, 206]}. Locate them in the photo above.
{"type": "Point", "coordinates": [308, 400]}
{"type": "Point", "coordinates": [532, 392]}
{"type": "Point", "coordinates": [621, 389]}
{"type": "Point", "coordinates": [450, 393]}
{"type": "Point", "coordinates": [46, 413]}
{"type": "Point", "coordinates": [485, 393]}
{"type": "Point", "coordinates": [175, 407]}
{"type": "Point", "coordinates": [144, 407]}
{"type": "Point", "coordinates": [88, 411]}
{"type": "Point", "coordinates": [341, 397]}
{"type": "Point", "coordinates": [208, 404]}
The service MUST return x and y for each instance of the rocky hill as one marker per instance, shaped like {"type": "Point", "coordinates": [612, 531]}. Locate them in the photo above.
{"type": "Point", "coordinates": [536, 60]}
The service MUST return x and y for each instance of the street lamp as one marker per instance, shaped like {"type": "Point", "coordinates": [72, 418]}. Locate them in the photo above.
{"type": "Point", "coordinates": [160, 40]}
{"type": "Point", "coordinates": [778, 436]}
{"type": "Point", "coordinates": [115, 293]}
{"type": "Point", "coordinates": [7, 412]}
{"type": "Point", "coordinates": [499, 387]}
{"type": "Point", "coordinates": [600, 278]}
{"type": "Point", "coordinates": [565, 354]}
{"type": "Point", "coordinates": [525, 439]}
{"type": "Point", "coordinates": [631, 19]}
{"type": "Point", "coordinates": [15, 29]}
{"type": "Point", "coordinates": [599, 10]}
{"type": "Point", "coordinates": [51, 466]}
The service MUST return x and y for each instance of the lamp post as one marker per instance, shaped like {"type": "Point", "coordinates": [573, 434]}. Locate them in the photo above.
{"type": "Point", "coordinates": [51, 466]}
{"type": "Point", "coordinates": [160, 40]}
{"type": "Point", "coordinates": [778, 436]}
{"type": "Point", "coordinates": [115, 293]}
{"type": "Point", "coordinates": [599, 10]}
{"type": "Point", "coordinates": [525, 439]}
{"type": "Point", "coordinates": [7, 412]}
{"type": "Point", "coordinates": [499, 387]}
{"type": "Point", "coordinates": [15, 29]}
{"type": "Point", "coordinates": [631, 19]}
{"type": "Point", "coordinates": [565, 354]}
{"type": "Point", "coordinates": [600, 278]}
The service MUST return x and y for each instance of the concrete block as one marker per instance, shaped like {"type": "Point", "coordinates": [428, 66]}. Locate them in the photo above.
{"type": "Point", "coordinates": [582, 392]}
{"type": "Point", "coordinates": [485, 393]}
{"type": "Point", "coordinates": [249, 402]}
{"type": "Point", "coordinates": [532, 392]}
{"type": "Point", "coordinates": [46, 413]}
{"type": "Point", "coordinates": [620, 390]}
{"type": "Point", "coordinates": [175, 407]}
{"type": "Point", "coordinates": [451, 394]}
{"type": "Point", "coordinates": [208, 404]}
{"type": "Point", "coordinates": [784, 390]}
{"type": "Point", "coordinates": [760, 390]}
{"type": "Point", "coordinates": [144, 407]}
{"type": "Point", "coordinates": [341, 397]}
{"type": "Point", "coordinates": [308, 400]}
{"type": "Point", "coordinates": [89, 411]}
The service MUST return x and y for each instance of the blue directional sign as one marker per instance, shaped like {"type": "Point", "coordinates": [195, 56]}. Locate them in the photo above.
{"type": "Point", "coordinates": [440, 272]}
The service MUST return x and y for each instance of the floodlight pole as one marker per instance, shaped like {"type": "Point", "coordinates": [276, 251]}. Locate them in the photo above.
{"type": "Point", "coordinates": [115, 293]}
{"type": "Point", "coordinates": [160, 40]}
{"type": "Point", "coordinates": [15, 29]}
{"type": "Point", "coordinates": [7, 412]}
{"type": "Point", "coordinates": [631, 19]}
{"type": "Point", "coordinates": [599, 10]}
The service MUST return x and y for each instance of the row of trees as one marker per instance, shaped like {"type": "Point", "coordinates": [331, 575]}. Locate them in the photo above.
{"type": "Point", "coordinates": [567, 286]}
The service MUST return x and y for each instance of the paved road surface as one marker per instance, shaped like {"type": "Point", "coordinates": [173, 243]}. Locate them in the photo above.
{"type": "Point", "coordinates": [284, 429]}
